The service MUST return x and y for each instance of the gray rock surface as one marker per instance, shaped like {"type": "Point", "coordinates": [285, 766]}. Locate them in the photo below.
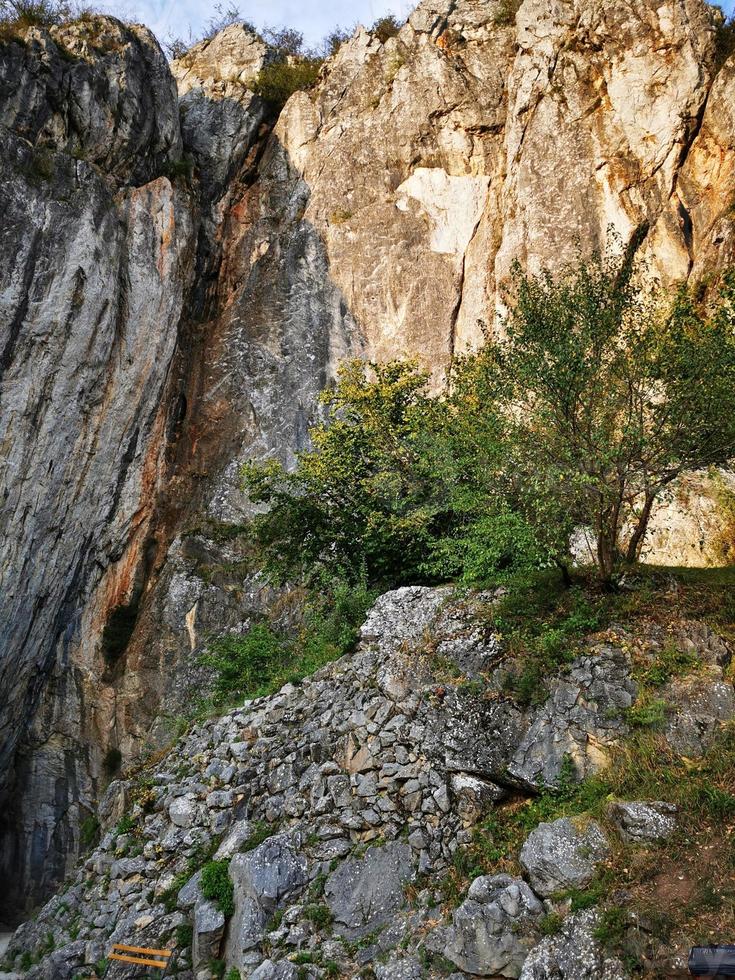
{"type": "Point", "coordinates": [493, 929]}
{"type": "Point", "coordinates": [209, 928]}
{"type": "Point", "coordinates": [264, 878]}
{"type": "Point", "coordinates": [564, 854]}
{"type": "Point", "coordinates": [584, 713]}
{"type": "Point", "coordinates": [643, 823]}
{"type": "Point", "coordinates": [96, 254]}
{"type": "Point", "coordinates": [380, 216]}
{"type": "Point", "coordinates": [364, 893]}
{"type": "Point", "coordinates": [573, 954]}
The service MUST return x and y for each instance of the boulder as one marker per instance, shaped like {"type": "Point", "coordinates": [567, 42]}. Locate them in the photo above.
{"type": "Point", "coordinates": [493, 929]}
{"type": "Point", "coordinates": [582, 715]}
{"type": "Point", "coordinates": [562, 855]}
{"type": "Point", "coordinates": [271, 874]}
{"type": "Point", "coordinates": [700, 707]}
{"type": "Point", "coordinates": [399, 968]}
{"type": "Point", "coordinates": [270, 970]}
{"type": "Point", "coordinates": [643, 823]}
{"type": "Point", "coordinates": [364, 893]}
{"type": "Point", "coordinates": [209, 928]}
{"type": "Point", "coordinates": [572, 954]}
{"type": "Point", "coordinates": [473, 796]}
{"type": "Point", "coordinates": [238, 835]}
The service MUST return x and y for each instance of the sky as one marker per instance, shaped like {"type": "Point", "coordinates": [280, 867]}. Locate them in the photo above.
{"type": "Point", "coordinates": [314, 18]}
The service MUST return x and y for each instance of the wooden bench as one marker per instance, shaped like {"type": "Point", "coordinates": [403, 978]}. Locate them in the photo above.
{"type": "Point", "coordinates": [141, 956]}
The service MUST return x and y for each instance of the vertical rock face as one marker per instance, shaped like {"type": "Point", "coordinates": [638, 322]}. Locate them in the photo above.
{"type": "Point", "coordinates": [95, 259]}
{"type": "Point", "coordinates": [379, 216]}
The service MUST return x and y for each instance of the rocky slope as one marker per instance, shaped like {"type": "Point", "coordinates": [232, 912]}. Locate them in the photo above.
{"type": "Point", "coordinates": [341, 810]}
{"type": "Point", "coordinates": [180, 281]}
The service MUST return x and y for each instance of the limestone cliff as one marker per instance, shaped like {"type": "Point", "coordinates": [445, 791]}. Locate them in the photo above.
{"type": "Point", "coordinates": [178, 283]}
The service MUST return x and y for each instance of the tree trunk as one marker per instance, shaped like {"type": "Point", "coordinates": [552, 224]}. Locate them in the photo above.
{"type": "Point", "coordinates": [639, 534]}
{"type": "Point", "coordinates": [606, 554]}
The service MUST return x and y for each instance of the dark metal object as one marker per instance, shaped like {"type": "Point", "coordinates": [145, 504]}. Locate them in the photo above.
{"type": "Point", "coordinates": [712, 962]}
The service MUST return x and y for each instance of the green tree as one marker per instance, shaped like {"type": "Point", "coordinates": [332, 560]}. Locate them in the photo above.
{"type": "Point", "coordinates": [360, 500]}
{"type": "Point", "coordinates": [608, 393]}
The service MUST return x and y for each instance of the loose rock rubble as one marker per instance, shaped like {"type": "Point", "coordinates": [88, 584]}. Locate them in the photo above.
{"type": "Point", "coordinates": [338, 804]}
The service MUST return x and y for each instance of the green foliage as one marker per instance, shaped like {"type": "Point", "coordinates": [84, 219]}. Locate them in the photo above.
{"type": "Point", "coordinates": [319, 914]}
{"type": "Point", "coordinates": [278, 81]}
{"type": "Point", "coordinates": [261, 831]}
{"type": "Point", "coordinates": [233, 974]}
{"type": "Point", "coordinates": [89, 830]}
{"type": "Point", "coordinates": [583, 411]}
{"type": "Point", "coordinates": [612, 925]}
{"type": "Point", "coordinates": [125, 825]}
{"type": "Point", "coordinates": [668, 662]}
{"type": "Point", "coordinates": [541, 623]}
{"type": "Point", "coordinates": [184, 935]}
{"type": "Point", "coordinates": [647, 713]}
{"type": "Point", "coordinates": [506, 12]}
{"type": "Point", "coordinates": [386, 27]}
{"type": "Point", "coordinates": [217, 968]}
{"type": "Point", "coordinates": [263, 660]}
{"type": "Point", "coordinates": [217, 886]}
{"type": "Point", "coordinates": [550, 924]}
{"type": "Point", "coordinates": [398, 487]}
{"type": "Point", "coordinates": [607, 394]}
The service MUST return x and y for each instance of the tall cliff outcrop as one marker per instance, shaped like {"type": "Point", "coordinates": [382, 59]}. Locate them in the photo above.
{"type": "Point", "coordinates": [96, 257]}
{"type": "Point", "coordinates": [179, 282]}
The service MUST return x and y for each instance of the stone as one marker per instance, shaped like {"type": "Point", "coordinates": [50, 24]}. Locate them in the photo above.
{"type": "Point", "coordinates": [399, 968]}
{"type": "Point", "coordinates": [562, 855]}
{"type": "Point", "coordinates": [573, 954]}
{"type": "Point", "coordinates": [264, 878]}
{"type": "Point", "coordinates": [699, 707]}
{"type": "Point", "coordinates": [238, 835]}
{"type": "Point", "coordinates": [364, 893]}
{"type": "Point", "coordinates": [584, 713]}
{"type": "Point", "coordinates": [181, 812]}
{"type": "Point", "coordinates": [209, 928]}
{"type": "Point", "coordinates": [643, 823]}
{"type": "Point", "coordinates": [270, 970]}
{"type": "Point", "coordinates": [474, 796]}
{"type": "Point", "coordinates": [191, 893]}
{"type": "Point", "coordinates": [493, 929]}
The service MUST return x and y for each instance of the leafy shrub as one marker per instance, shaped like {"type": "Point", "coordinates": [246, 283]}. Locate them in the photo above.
{"type": "Point", "coordinates": [386, 27]}
{"type": "Point", "coordinates": [217, 886]}
{"type": "Point", "coordinates": [724, 40]}
{"type": "Point", "coordinates": [125, 825]}
{"type": "Point", "coordinates": [89, 830]}
{"type": "Point", "coordinates": [184, 935]}
{"type": "Point", "coordinates": [278, 81]}
{"type": "Point", "coordinates": [583, 411]}
{"type": "Point", "coordinates": [648, 713]}
{"type": "Point", "coordinates": [263, 660]}
{"type": "Point", "coordinates": [319, 914]}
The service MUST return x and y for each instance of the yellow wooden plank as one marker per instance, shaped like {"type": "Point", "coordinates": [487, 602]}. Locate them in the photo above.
{"type": "Point", "coordinates": [141, 962]}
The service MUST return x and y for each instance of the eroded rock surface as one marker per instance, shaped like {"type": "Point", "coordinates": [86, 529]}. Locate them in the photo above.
{"type": "Point", "coordinates": [379, 215]}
